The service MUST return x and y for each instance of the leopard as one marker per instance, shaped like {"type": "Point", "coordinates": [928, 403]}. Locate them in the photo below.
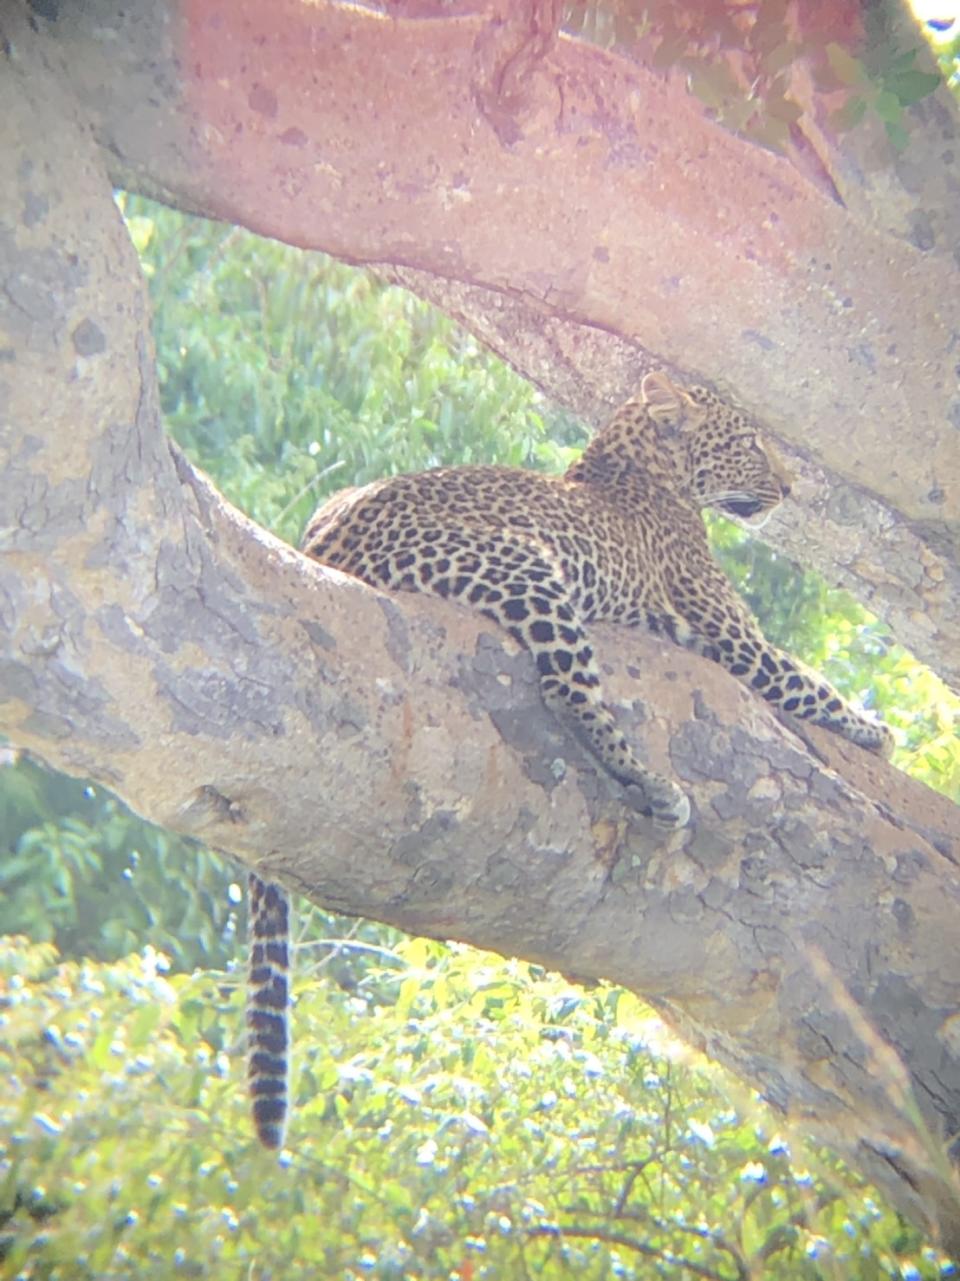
{"type": "Point", "coordinates": [619, 537]}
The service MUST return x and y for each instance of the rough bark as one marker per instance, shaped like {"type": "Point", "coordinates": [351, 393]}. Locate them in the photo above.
{"type": "Point", "coordinates": [802, 930]}
{"type": "Point", "coordinates": [628, 212]}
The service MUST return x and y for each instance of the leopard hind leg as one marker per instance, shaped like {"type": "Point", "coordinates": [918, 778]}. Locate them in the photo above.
{"type": "Point", "coordinates": [519, 587]}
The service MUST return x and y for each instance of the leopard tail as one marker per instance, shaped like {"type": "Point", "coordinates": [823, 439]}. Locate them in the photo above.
{"type": "Point", "coordinates": [268, 1010]}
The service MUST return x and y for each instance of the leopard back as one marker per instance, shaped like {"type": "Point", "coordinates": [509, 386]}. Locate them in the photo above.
{"type": "Point", "coordinates": [619, 536]}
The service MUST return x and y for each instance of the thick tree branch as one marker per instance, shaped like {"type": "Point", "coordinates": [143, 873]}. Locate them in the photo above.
{"type": "Point", "coordinates": [608, 199]}
{"type": "Point", "coordinates": [152, 638]}
{"type": "Point", "coordinates": [833, 524]}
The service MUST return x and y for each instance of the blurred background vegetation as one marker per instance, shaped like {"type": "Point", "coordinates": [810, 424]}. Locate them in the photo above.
{"type": "Point", "coordinates": [458, 1116]}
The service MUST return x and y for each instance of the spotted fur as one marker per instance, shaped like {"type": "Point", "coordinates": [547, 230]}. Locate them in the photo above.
{"type": "Point", "coordinates": [617, 538]}
{"type": "Point", "coordinates": [268, 1009]}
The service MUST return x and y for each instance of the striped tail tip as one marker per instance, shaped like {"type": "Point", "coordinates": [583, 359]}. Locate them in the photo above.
{"type": "Point", "coordinates": [268, 1011]}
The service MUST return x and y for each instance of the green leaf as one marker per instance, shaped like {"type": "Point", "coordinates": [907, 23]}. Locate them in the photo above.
{"type": "Point", "coordinates": [142, 1025]}
{"type": "Point", "coordinates": [911, 86]}
{"type": "Point", "coordinates": [785, 109]}
{"type": "Point", "coordinates": [887, 106]}
{"type": "Point", "coordinates": [769, 132]}
{"type": "Point", "coordinates": [848, 70]}
{"type": "Point", "coordinates": [669, 52]}
{"type": "Point", "coordinates": [99, 1053]}
{"type": "Point", "coordinates": [897, 134]}
{"type": "Point", "coordinates": [141, 231]}
{"type": "Point", "coordinates": [713, 84]}
{"type": "Point", "coordinates": [780, 57]}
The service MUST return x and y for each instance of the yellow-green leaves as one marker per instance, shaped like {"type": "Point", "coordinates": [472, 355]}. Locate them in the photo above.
{"type": "Point", "coordinates": [495, 1123]}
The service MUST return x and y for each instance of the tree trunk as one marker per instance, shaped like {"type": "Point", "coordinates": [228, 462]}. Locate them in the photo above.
{"type": "Point", "coordinates": [802, 930]}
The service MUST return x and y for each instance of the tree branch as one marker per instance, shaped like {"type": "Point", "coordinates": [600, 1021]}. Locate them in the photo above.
{"type": "Point", "coordinates": [157, 641]}
{"type": "Point", "coordinates": [601, 195]}
{"type": "Point", "coordinates": [833, 524]}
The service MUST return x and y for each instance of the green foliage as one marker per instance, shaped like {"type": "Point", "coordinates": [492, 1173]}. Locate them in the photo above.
{"type": "Point", "coordinates": [485, 1122]}
{"type": "Point", "coordinates": [948, 56]}
{"type": "Point", "coordinates": [737, 60]}
{"type": "Point", "coordinates": [457, 1116]}
{"type": "Point", "coordinates": [884, 85]}
{"type": "Point", "coordinates": [288, 376]}
{"type": "Point", "coordinates": [79, 869]}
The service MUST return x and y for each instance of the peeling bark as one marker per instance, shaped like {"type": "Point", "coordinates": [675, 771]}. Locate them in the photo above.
{"type": "Point", "coordinates": [802, 930]}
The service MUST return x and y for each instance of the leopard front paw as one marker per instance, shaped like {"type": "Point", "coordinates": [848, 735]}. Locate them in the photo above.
{"type": "Point", "coordinates": [875, 736]}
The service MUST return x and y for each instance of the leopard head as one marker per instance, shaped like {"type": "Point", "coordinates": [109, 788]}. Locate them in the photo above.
{"type": "Point", "coordinates": [727, 464]}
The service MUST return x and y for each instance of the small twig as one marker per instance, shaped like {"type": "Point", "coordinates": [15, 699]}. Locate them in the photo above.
{"type": "Point", "coordinates": [631, 1243]}
{"type": "Point", "coordinates": [311, 484]}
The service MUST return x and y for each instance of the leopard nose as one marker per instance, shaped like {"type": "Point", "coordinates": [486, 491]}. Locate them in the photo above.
{"type": "Point", "coordinates": [785, 488]}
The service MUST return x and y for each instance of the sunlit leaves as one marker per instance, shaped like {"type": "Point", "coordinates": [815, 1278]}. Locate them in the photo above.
{"type": "Point", "coordinates": [848, 70]}
{"type": "Point", "coordinates": [534, 1132]}
{"type": "Point", "coordinates": [80, 869]}
{"type": "Point", "coordinates": [288, 376]}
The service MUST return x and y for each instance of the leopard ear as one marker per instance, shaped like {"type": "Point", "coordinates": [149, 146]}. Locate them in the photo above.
{"type": "Point", "coordinates": [660, 396]}
{"type": "Point", "coordinates": [670, 406]}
